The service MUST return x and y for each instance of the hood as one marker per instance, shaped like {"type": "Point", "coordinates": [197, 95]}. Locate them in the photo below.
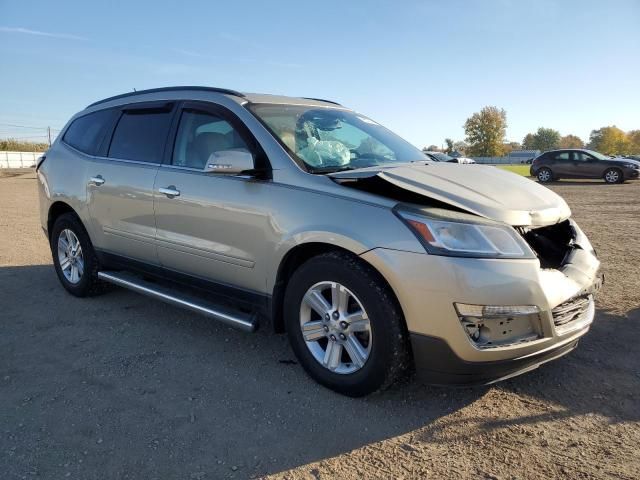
{"type": "Point", "coordinates": [479, 189]}
{"type": "Point", "coordinates": [622, 161]}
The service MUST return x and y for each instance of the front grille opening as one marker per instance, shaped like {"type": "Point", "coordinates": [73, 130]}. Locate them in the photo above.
{"type": "Point", "coordinates": [551, 244]}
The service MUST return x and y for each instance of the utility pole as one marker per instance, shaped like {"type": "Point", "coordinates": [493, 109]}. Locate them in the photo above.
{"type": "Point", "coordinates": [49, 134]}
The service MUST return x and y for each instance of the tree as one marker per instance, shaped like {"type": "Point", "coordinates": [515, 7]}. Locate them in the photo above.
{"type": "Point", "coordinates": [544, 139]}
{"type": "Point", "coordinates": [528, 142]}
{"type": "Point", "coordinates": [570, 141]}
{"type": "Point", "coordinates": [461, 147]}
{"type": "Point", "coordinates": [431, 148]}
{"type": "Point", "coordinates": [485, 132]}
{"type": "Point", "coordinates": [609, 140]}
{"type": "Point", "coordinates": [449, 143]}
{"type": "Point", "coordinates": [634, 140]}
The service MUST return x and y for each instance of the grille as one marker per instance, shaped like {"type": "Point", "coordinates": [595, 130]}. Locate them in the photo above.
{"type": "Point", "coordinates": [570, 310]}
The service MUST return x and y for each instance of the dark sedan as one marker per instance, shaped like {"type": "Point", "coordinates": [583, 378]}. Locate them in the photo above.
{"type": "Point", "coordinates": [579, 163]}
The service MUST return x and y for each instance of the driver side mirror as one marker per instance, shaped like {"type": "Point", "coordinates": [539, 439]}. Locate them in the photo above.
{"type": "Point", "coordinates": [229, 162]}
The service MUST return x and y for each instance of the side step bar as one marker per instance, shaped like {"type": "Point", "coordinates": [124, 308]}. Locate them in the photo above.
{"type": "Point", "coordinates": [247, 322]}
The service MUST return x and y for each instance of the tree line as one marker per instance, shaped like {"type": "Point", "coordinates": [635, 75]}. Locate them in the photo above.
{"type": "Point", "coordinates": [486, 131]}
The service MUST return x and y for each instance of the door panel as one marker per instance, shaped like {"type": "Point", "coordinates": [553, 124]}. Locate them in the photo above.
{"type": "Point", "coordinates": [214, 229]}
{"type": "Point", "coordinates": [561, 164]}
{"type": "Point", "coordinates": [121, 208]}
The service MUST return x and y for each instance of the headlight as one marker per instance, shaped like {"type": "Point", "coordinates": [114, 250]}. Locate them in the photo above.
{"type": "Point", "coordinates": [461, 236]}
{"type": "Point", "coordinates": [632, 165]}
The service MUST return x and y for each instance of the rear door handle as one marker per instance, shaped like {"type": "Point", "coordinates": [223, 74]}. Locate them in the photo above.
{"type": "Point", "coordinates": [170, 191]}
{"type": "Point", "coordinates": [97, 180]}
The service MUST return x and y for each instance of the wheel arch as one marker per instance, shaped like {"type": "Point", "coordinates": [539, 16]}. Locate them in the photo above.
{"type": "Point", "coordinates": [57, 209]}
{"type": "Point", "coordinates": [294, 258]}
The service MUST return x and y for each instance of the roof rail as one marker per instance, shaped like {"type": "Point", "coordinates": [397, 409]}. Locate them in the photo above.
{"type": "Point", "coordinates": [170, 89]}
{"type": "Point", "coordinates": [322, 100]}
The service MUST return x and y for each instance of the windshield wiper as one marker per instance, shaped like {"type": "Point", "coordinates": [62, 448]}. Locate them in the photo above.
{"type": "Point", "coordinates": [330, 169]}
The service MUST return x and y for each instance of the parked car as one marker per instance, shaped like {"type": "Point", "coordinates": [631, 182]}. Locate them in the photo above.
{"type": "Point", "coordinates": [303, 216]}
{"type": "Point", "coordinates": [580, 163]}
{"type": "Point", "coordinates": [443, 157]}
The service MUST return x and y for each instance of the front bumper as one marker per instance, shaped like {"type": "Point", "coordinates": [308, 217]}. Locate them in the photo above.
{"type": "Point", "coordinates": [428, 286]}
{"type": "Point", "coordinates": [631, 174]}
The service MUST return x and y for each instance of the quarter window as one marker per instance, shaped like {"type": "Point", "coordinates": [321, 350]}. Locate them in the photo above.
{"type": "Point", "coordinates": [199, 135]}
{"type": "Point", "coordinates": [141, 135]}
{"type": "Point", "coordinates": [86, 132]}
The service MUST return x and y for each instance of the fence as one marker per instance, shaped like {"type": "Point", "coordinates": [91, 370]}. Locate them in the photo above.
{"type": "Point", "coordinates": [19, 159]}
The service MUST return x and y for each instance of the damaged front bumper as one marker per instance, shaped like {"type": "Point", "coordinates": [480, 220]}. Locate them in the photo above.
{"type": "Point", "coordinates": [447, 350]}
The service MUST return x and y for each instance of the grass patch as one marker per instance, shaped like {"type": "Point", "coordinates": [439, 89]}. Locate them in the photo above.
{"type": "Point", "coordinates": [519, 169]}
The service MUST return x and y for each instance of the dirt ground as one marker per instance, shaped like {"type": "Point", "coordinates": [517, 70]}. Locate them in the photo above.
{"type": "Point", "coordinates": [121, 386]}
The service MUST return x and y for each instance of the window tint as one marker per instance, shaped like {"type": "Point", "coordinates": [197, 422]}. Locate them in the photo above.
{"type": "Point", "coordinates": [562, 156]}
{"type": "Point", "coordinates": [140, 135]}
{"type": "Point", "coordinates": [582, 157]}
{"type": "Point", "coordinates": [85, 133]}
{"type": "Point", "coordinates": [199, 135]}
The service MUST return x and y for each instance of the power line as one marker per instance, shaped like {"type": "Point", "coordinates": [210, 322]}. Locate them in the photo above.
{"type": "Point", "coordinates": [26, 126]}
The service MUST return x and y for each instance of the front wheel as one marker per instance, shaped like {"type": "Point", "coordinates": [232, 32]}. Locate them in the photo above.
{"type": "Point", "coordinates": [345, 326]}
{"type": "Point", "coordinates": [613, 175]}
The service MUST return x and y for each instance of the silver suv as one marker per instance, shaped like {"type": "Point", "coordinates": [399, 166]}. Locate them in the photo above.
{"type": "Point", "coordinates": [311, 218]}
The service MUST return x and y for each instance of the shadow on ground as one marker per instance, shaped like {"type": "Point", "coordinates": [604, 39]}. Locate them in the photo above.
{"type": "Point", "coordinates": [124, 386]}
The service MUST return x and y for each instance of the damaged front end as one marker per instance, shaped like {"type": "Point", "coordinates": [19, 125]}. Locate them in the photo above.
{"type": "Point", "coordinates": [484, 213]}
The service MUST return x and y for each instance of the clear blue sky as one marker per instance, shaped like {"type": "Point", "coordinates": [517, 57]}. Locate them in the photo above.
{"type": "Point", "coordinates": [419, 67]}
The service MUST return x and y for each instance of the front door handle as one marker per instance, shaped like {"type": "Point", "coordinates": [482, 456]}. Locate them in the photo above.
{"type": "Point", "coordinates": [170, 191]}
{"type": "Point", "coordinates": [96, 181]}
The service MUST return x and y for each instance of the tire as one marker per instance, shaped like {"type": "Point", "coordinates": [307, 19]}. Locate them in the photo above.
{"type": "Point", "coordinates": [613, 175]}
{"type": "Point", "coordinates": [544, 175]}
{"type": "Point", "coordinates": [385, 342]}
{"type": "Point", "coordinates": [85, 282]}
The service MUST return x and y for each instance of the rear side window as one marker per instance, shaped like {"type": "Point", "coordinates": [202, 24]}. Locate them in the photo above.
{"type": "Point", "coordinates": [141, 135]}
{"type": "Point", "coordinates": [560, 157]}
{"type": "Point", "coordinates": [86, 132]}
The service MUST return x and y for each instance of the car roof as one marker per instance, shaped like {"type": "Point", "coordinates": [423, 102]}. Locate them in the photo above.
{"type": "Point", "coordinates": [197, 91]}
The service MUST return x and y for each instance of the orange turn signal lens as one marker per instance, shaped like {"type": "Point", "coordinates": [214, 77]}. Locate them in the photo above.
{"type": "Point", "coordinates": [422, 229]}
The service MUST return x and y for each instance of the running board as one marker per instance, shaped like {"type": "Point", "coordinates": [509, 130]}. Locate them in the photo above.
{"type": "Point", "coordinates": [243, 321]}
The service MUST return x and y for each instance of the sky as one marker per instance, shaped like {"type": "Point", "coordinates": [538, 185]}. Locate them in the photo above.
{"type": "Point", "coordinates": [420, 68]}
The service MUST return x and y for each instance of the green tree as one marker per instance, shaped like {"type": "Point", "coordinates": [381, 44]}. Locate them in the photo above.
{"type": "Point", "coordinates": [449, 143]}
{"type": "Point", "coordinates": [431, 148]}
{"type": "Point", "coordinates": [528, 142]}
{"type": "Point", "coordinates": [485, 132]}
{"type": "Point", "coordinates": [634, 140]}
{"type": "Point", "coordinates": [570, 141]}
{"type": "Point", "coordinates": [610, 140]}
{"type": "Point", "coordinates": [544, 139]}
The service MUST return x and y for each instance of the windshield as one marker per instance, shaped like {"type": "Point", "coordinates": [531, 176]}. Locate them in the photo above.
{"type": "Point", "coordinates": [331, 139]}
{"type": "Point", "coordinates": [442, 157]}
{"type": "Point", "coordinates": [599, 156]}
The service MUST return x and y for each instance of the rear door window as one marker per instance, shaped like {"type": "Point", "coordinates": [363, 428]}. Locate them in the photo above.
{"type": "Point", "coordinates": [141, 135]}
{"type": "Point", "coordinates": [86, 133]}
{"type": "Point", "coordinates": [561, 157]}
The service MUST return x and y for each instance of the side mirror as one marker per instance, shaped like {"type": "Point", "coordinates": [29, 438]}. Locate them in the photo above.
{"type": "Point", "coordinates": [229, 162]}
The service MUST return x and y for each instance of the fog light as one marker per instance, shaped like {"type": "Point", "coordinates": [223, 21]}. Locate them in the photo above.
{"type": "Point", "coordinates": [490, 326]}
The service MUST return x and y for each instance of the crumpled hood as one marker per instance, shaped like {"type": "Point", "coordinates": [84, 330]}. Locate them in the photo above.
{"type": "Point", "coordinates": [480, 189]}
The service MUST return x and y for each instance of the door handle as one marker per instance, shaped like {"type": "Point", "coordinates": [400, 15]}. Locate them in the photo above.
{"type": "Point", "coordinates": [170, 191]}
{"type": "Point", "coordinates": [96, 181]}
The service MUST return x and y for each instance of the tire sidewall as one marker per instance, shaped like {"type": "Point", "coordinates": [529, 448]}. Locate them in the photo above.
{"type": "Point", "coordinates": [373, 373]}
{"type": "Point", "coordinates": [69, 221]}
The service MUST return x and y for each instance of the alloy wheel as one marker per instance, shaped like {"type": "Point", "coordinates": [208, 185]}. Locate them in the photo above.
{"type": "Point", "coordinates": [612, 176]}
{"type": "Point", "coordinates": [70, 256]}
{"type": "Point", "coordinates": [335, 327]}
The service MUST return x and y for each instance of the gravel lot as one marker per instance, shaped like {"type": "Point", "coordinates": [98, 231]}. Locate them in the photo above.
{"type": "Point", "coordinates": [121, 386]}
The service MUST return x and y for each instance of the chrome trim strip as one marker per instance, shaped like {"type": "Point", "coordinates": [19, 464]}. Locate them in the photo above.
{"type": "Point", "coordinates": [242, 321]}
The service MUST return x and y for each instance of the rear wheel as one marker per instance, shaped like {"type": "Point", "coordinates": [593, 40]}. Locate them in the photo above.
{"type": "Point", "coordinates": [74, 259]}
{"type": "Point", "coordinates": [613, 175]}
{"type": "Point", "coordinates": [544, 175]}
{"type": "Point", "coordinates": [345, 326]}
